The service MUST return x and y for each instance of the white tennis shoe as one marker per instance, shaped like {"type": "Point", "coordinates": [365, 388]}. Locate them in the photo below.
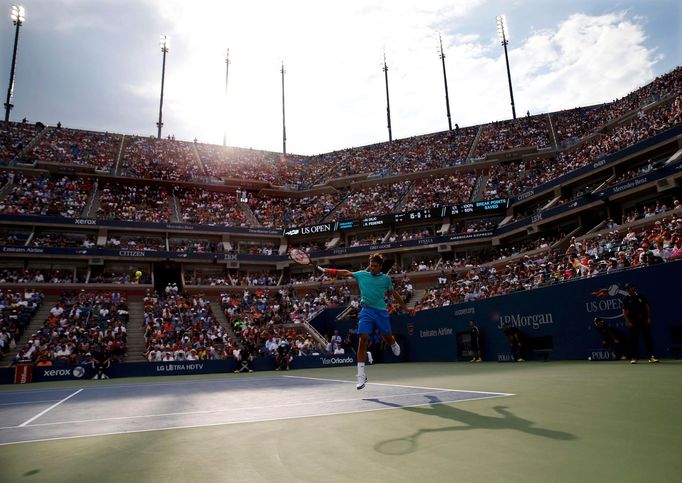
{"type": "Point", "coordinates": [362, 380]}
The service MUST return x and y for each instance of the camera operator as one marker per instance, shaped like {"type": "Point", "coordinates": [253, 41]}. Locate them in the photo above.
{"type": "Point", "coordinates": [283, 356]}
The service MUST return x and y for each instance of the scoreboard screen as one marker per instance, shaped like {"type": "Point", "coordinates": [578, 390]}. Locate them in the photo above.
{"type": "Point", "coordinates": [418, 215]}
{"type": "Point", "coordinates": [482, 208]}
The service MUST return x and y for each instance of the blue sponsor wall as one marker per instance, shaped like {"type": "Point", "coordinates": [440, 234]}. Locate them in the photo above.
{"type": "Point", "coordinates": [143, 369]}
{"type": "Point", "coordinates": [558, 317]}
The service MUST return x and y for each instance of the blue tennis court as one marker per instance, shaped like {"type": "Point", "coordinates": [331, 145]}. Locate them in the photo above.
{"type": "Point", "coordinates": [59, 413]}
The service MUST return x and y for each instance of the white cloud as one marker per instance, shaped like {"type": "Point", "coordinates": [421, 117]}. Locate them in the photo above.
{"type": "Point", "coordinates": [586, 60]}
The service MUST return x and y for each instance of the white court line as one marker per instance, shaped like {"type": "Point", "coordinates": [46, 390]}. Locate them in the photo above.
{"type": "Point", "coordinates": [226, 410]}
{"type": "Point", "coordinates": [408, 387]}
{"type": "Point", "coordinates": [193, 426]}
{"type": "Point", "coordinates": [48, 409]}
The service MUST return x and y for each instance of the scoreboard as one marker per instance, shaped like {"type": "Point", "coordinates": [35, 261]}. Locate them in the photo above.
{"type": "Point", "coordinates": [474, 208]}
{"type": "Point", "coordinates": [419, 215]}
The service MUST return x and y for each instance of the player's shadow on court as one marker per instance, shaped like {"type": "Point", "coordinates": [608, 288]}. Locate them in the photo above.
{"type": "Point", "coordinates": [468, 420]}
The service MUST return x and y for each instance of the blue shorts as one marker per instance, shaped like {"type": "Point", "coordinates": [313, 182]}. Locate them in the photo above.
{"type": "Point", "coordinates": [371, 318]}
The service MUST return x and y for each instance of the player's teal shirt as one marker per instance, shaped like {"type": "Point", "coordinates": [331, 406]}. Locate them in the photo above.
{"type": "Point", "coordinates": [373, 288]}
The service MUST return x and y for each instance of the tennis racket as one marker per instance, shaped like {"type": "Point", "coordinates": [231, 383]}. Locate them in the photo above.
{"type": "Point", "coordinates": [301, 257]}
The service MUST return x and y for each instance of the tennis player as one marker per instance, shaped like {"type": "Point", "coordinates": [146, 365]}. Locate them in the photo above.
{"type": "Point", "coordinates": [374, 314]}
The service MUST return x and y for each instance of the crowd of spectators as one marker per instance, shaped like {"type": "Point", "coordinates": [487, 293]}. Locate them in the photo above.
{"type": "Point", "coordinates": [257, 248]}
{"type": "Point", "coordinates": [288, 212]}
{"type": "Point", "coordinates": [618, 249]}
{"type": "Point", "coordinates": [63, 239]}
{"type": "Point", "coordinates": [174, 160]}
{"type": "Point", "coordinates": [129, 241]}
{"type": "Point", "coordinates": [210, 278]}
{"type": "Point", "coordinates": [573, 124]}
{"type": "Point", "coordinates": [21, 275]}
{"type": "Point", "coordinates": [146, 203]}
{"type": "Point", "coordinates": [513, 133]}
{"type": "Point", "coordinates": [644, 125]}
{"type": "Point", "coordinates": [167, 159]}
{"type": "Point", "coordinates": [475, 225]}
{"type": "Point", "coordinates": [400, 156]}
{"type": "Point", "coordinates": [72, 146]}
{"type": "Point", "coordinates": [511, 179]}
{"type": "Point", "coordinates": [242, 278]}
{"type": "Point", "coordinates": [202, 207]}
{"type": "Point", "coordinates": [195, 245]}
{"type": "Point", "coordinates": [77, 325]}
{"type": "Point", "coordinates": [257, 316]}
{"type": "Point", "coordinates": [580, 122]}
{"type": "Point", "coordinates": [371, 201]}
{"type": "Point", "coordinates": [440, 191]}
{"type": "Point", "coordinates": [182, 327]}
{"type": "Point", "coordinates": [14, 137]}
{"type": "Point", "coordinates": [650, 209]}
{"type": "Point", "coordinates": [17, 307]}
{"type": "Point", "coordinates": [15, 237]}
{"type": "Point", "coordinates": [240, 163]}
{"type": "Point", "coordinates": [119, 277]}
{"type": "Point", "coordinates": [42, 195]}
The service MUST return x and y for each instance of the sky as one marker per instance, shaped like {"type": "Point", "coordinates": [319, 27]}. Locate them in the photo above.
{"type": "Point", "coordinates": [96, 64]}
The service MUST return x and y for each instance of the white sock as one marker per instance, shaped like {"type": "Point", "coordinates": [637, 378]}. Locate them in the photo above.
{"type": "Point", "coordinates": [395, 348]}
{"type": "Point", "coordinates": [361, 368]}
{"type": "Point", "coordinates": [370, 359]}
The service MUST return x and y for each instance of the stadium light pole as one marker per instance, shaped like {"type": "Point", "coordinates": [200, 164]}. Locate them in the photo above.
{"type": "Point", "coordinates": [388, 103]}
{"type": "Point", "coordinates": [284, 119]}
{"type": "Point", "coordinates": [18, 15]}
{"type": "Point", "coordinates": [164, 43]}
{"type": "Point", "coordinates": [227, 69]}
{"type": "Point", "coordinates": [501, 21]}
{"type": "Point", "coordinates": [445, 79]}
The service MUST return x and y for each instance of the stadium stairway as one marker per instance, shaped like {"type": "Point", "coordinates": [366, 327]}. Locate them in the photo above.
{"type": "Point", "coordinates": [250, 215]}
{"type": "Point", "coordinates": [135, 331]}
{"type": "Point", "coordinates": [474, 143]}
{"type": "Point", "coordinates": [553, 138]}
{"type": "Point", "coordinates": [6, 189]}
{"type": "Point", "coordinates": [33, 326]}
{"type": "Point", "coordinates": [23, 154]}
{"type": "Point", "coordinates": [479, 189]}
{"type": "Point", "coordinates": [416, 297]}
{"type": "Point", "coordinates": [220, 317]}
{"type": "Point", "coordinates": [91, 207]}
{"type": "Point", "coordinates": [410, 189]}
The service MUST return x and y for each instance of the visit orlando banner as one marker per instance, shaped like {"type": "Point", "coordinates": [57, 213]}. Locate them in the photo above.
{"type": "Point", "coordinates": [558, 317]}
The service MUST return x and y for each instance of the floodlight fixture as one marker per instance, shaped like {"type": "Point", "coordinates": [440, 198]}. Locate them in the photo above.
{"type": "Point", "coordinates": [504, 40]}
{"type": "Point", "coordinates": [164, 43]}
{"type": "Point", "coordinates": [18, 15]}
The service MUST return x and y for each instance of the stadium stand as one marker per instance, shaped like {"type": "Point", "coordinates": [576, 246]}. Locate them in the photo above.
{"type": "Point", "coordinates": [585, 191]}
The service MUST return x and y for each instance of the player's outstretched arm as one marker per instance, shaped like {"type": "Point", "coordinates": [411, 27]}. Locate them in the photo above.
{"type": "Point", "coordinates": [336, 273]}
